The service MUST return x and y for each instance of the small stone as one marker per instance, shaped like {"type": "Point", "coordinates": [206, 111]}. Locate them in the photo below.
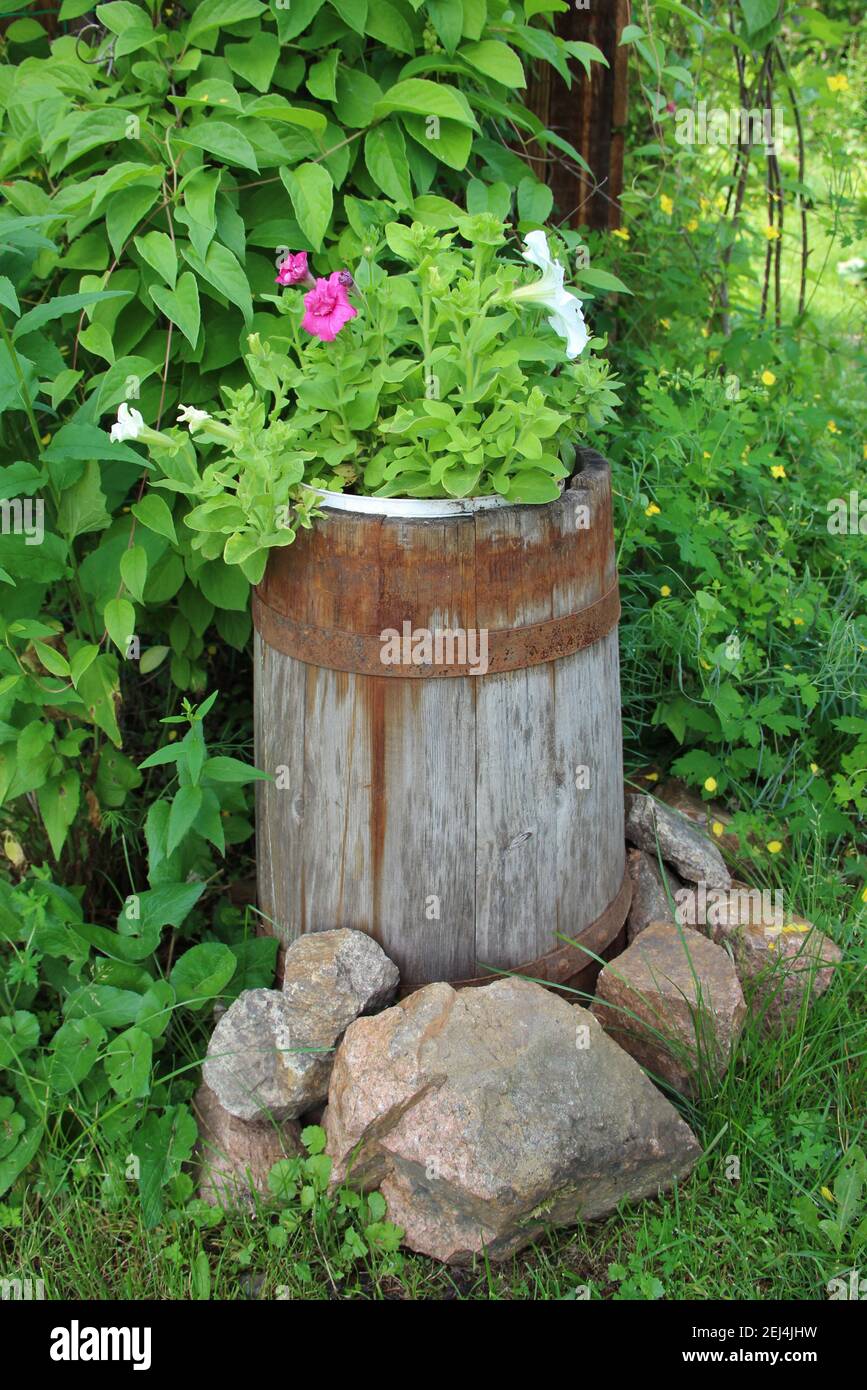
{"type": "Point", "coordinates": [264, 1062]}
{"type": "Point", "coordinates": [333, 976]}
{"type": "Point", "coordinates": [650, 901]}
{"type": "Point", "coordinates": [235, 1156]}
{"type": "Point", "coordinates": [271, 1053]}
{"type": "Point", "coordinates": [650, 823]}
{"type": "Point", "coordinates": [710, 816]}
{"type": "Point", "coordinates": [674, 1002]}
{"type": "Point", "coordinates": [487, 1114]}
{"type": "Point", "coordinates": [778, 961]}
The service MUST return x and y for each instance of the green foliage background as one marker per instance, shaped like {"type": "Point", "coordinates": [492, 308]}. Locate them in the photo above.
{"type": "Point", "coordinates": [152, 171]}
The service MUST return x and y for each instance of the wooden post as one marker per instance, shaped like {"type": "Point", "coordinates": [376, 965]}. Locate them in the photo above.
{"type": "Point", "coordinates": [591, 116]}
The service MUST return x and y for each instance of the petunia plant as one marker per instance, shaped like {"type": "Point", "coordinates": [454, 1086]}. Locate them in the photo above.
{"type": "Point", "coordinates": [449, 362]}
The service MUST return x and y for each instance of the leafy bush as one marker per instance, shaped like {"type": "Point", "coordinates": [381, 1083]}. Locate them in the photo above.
{"type": "Point", "coordinates": [138, 243]}
{"type": "Point", "coordinates": [444, 383]}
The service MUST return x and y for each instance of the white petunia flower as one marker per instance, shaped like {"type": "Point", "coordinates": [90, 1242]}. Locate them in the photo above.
{"type": "Point", "coordinates": [565, 315]}
{"type": "Point", "coordinates": [129, 425]}
{"type": "Point", "coordinates": [189, 415]}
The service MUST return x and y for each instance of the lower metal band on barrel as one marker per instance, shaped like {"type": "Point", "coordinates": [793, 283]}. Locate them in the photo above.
{"type": "Point", "coordinates": [568, 963]}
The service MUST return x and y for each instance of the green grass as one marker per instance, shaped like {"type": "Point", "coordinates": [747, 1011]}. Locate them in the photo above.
{"type": "Point", "coordinates": [789, 1109]}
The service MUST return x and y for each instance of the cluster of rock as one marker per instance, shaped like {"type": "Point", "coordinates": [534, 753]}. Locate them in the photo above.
{"type": "Point", "coordinates": [487, 1114]}
{"type": "Point", "coordinates": [680, 878]}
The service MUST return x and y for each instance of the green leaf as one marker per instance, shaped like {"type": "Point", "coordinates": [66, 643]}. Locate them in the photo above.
{"type": "Point", "coordinates": [322, 77]}
{"type": "Point", "coordinates": [134, 571]}
{"type": "Point", "coordinates": [222, 769]}
{"type": "Point", "coordinates": [311, 189]}
{"type": "Point", "coordinates": [450, 142]}
{"type": "Point", "coordinates": [158, 250]}
{"type": "Point", "coordinates": [125, 211]}
{"type": "Point", "coordinates": [385, 157]}
{"type": "Point", "coordinates": [357, 95]}
{"type": "Point", "coordinates": [535, 201]}
{"type": "Point", "coordinates": [162, 1145]}
{"type": "Point", "coordinates": [447, 17]}
{"type": "Point", "coordinates": [8, 297]}
{"type": "Point", "coordinates": [386, 23]}
{"type": "Point", "coordinates": [602, 280]}
{"type": "Point", "coordinates": [125, 175]}
{"type": "Point", "coordinates": [128, 1063]}
{"type": "Point", "coordinates": [81, 660]}
{"type": "Point", "coordinates": [181, 305]}
{"type": "Point", "coordinates": [758, 13]}
{"type": "Point", "coordinates": [53, 660]}
{"type": "Point", "coordinates": [58, 804]}
{"type": "Point", "coordinates": [423, 98]}
{"type": "Point", "coordinates": [155, 1011]}
{"type": "Point", "coordinates": [220, 14]}
{"type": "Point", "coordinates": [62, 304]}
{"type": "Point", "coordinates": [74, 1050]}
{"type": "Point", "coordinates": [99, 688]}
{"type": "Point", "coordinates": [23, 1152]}
{"type": "Point", "coordinates": [218, 138]}
{"type": "Point", "coordinates": [82, 507]}
{"type": "Point", "coordinates": [153, 512]}
{"type": "Point", "coordinates": [533, 485]}
{"type": "Point", "coordinates": [185, 808]}
{"type": "Point", "coordinates": [496, 60]}
{"type": "Point", "coordinates": [202, 972]}
{"type": "Point", "coordinates": [152, 657]}
{"type": "Point", "coordinates": [119, 618]}
{"type": "Point", "coordinates": [352, 12]}
{"type": "Point", "coordinates": [222, 270]}
{"type": "Point", "coordinates": [255, 61]}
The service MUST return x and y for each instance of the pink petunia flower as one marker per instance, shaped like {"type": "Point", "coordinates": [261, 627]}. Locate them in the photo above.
{"type": "Point", "coordinates": [327, 308]}
{"type": "Point", "coordinates": [293, 269]}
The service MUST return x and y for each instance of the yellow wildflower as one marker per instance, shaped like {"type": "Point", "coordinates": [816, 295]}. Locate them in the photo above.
{"type": "Point", "coordinates": [778, 471]}
{"type": "Point", "coordinates": [621, 232]}
{"type": "Point", "coordinates": [832, 427]}
{"type": "Point", "coordinates": [826, 1192]}
{"type": "Point", "coordinates": [652, 510]}
{"type": "Point", "coordinates": [772, 233]}
{"type": "Point", "coordinates": [717, 827]}
{"type": "Point", "coordinates": [774, 846]}
{"type": "Point", "coordinates": [692, 224]}
{"type": "Point", "coordinates": [815, 769]}
{"type": "Point", "coordinates": [840, 83]}
{"type": "Point", "coordinates": [665, 323]}
{"type": "Point", "coordinates": [768, 379]}
{"type": "Point", "coordinates": [710, 784]}
{"type": "Point", "coordinates": [665, 591]}
{"type": "Point", "coordinates": [666, 204]}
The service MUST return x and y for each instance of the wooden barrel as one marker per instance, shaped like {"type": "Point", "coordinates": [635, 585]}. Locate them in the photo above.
{"type": "Point", "coordinates": [458, 798]}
